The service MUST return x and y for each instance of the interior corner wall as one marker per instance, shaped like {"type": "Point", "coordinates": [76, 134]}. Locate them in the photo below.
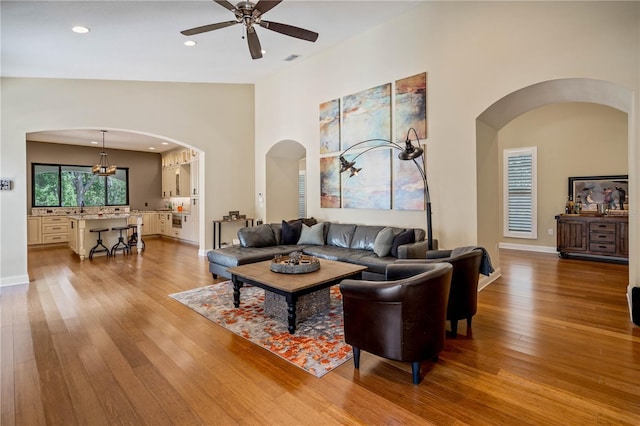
{"type": "Point", "coordinates": [488, 170]}
{"type": "Point", "coordinates": [209, 117]}
{"type": "Point", "coordinates": [475, 53]}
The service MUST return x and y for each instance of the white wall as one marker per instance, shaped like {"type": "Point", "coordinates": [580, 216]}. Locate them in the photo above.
{"type": "Point", "coordinates": [210, 117]}
{"type": "Point", "coordinates": [475, 53]}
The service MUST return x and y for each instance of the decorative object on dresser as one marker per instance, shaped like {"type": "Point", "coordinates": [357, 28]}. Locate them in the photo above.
{"type": "Point", "coordinates": [594, 190]}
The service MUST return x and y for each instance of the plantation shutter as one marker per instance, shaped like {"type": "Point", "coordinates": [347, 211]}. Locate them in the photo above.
{"type": "Point", "coordinates": [301, 195]}
{"type": "Point", "coordinates": [520, 202]}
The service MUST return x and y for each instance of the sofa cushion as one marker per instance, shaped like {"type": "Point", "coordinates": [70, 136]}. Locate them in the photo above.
{"type": "Point", "coordinates": [259, 236]}
{"type": "Point", "coordinates": [365, 237]}
{"type": "Point", "coordinates": [291, 232]}
{"type": "Point", "coordinates": [340, 235]}
{"type": "Point", "coordinates": [235, 255]}
{"type": "Point", "coordinates": [384, 241]}
{"type": "Point", "coordinates": [405, 237]}
{"type": "Point", "coordinates": [313, 235]}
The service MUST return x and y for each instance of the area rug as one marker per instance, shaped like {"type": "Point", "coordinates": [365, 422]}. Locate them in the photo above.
{"type": "Point", "coordinates": [317, 345]}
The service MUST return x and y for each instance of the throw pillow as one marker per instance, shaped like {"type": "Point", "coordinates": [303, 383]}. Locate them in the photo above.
{"type": "Point", "coordinates": [291, 232]}
{"type": "Point", "coordinates": [384, 241]}
{"type": "Point", "coordinates": [405, 237]}
{"type": "Point", "coordinates": [313, 235]}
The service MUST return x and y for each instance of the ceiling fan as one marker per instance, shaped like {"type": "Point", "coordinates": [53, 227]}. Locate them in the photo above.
{"type": "Point", "coordinates": [250, 14]}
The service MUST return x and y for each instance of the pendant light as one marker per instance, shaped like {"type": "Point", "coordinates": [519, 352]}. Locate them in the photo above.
{"type": "Point", "coordinates": [103, 168]}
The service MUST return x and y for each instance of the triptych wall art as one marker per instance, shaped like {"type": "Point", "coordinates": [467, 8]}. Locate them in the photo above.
{"type": "Point", "coordinates": [385, 182]}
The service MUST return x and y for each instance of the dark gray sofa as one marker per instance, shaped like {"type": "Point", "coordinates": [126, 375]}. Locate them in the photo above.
{"type": "Point", "coordinates": [342, 242]}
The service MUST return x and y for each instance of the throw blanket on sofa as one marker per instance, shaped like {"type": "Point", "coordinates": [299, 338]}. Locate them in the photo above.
{"type": "Point", "coordinates": [486, 268]}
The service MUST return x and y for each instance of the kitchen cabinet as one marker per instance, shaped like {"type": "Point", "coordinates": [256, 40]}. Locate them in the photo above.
{"type": "Point", "coordinates": [594, 236]}
{"type": "Point", "coordinates": [34, 230]}
{"type": "Point", "coordinates": [55, 229]}
{"type": "Point", "coordinates": [194, 174]}
{"type": "Point", "coordinates": [148, 220]}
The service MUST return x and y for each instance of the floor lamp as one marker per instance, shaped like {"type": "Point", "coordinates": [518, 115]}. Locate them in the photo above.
{"type": "Point", "coordinates": [407, 153]}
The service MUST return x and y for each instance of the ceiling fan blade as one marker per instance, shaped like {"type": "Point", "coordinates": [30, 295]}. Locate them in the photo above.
{"type": "Point", "coordinates": [226, 4]}
{"type": "Point", "coordinates": [210, 27]}
{"type": "Point", "coordinates": [254, 43]}
{"type": "Point", "coordinates": [290, 30]}
{"type": "Point", "coordinates": [263, 6]}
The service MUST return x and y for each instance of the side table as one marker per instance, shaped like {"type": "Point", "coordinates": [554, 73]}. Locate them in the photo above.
{"type": "Point", "coordinates": [218, 224]}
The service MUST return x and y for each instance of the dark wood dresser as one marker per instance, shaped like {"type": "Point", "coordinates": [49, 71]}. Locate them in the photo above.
{"type": "Point", "coordinates": [593, 236]}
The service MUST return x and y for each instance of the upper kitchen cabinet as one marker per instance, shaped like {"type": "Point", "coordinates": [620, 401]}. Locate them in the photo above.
{"type": "Point", "coordinates": [178, 176]}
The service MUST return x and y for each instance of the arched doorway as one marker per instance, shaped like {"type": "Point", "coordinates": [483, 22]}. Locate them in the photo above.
{"type": "Point", "coordinates": [285, 163]}
{"type": "Point", "coordinates": [512, 105]}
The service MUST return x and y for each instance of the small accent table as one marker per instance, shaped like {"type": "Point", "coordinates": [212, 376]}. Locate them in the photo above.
{"type": "Point", "coordinates": [218, 224]}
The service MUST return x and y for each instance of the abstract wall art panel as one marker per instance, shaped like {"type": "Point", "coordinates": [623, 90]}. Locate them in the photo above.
{"type": "Point", "coordinates": [366, 115]}
{"type": "Point", "coordinates": [371, 189]}
{"type": "Point", "coordinates": [410, 112]}
{"type": "Point", "coordinates": [411, 106]}
{"type": "Point", "coordinates": [408, 186]}
{"type": "Point", "coordinates": [330, 126]}
{"type": "Point", "coordinates": [329, 182]}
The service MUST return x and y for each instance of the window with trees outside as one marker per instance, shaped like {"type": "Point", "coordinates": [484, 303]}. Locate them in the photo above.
{"type": "Point", "coordinates": [58, 185]}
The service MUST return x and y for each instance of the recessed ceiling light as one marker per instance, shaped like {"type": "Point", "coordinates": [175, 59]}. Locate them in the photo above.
{"type": "Point", "coordinates": [165, 143]}
{"type": "Point", "coordinates": [95, 143]}
{"type": "Point", "coordinates": [190, 43]}
{"type": "Point", "coordinates": [152, 148]}
{"type": "Point", "coordinates": [263, 51]}
{"type": "Point", "coordinates": [80, 29]}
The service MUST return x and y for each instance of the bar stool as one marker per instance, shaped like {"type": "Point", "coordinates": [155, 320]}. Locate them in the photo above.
{"type": "Point", "coordinates": [121, 244]}
{"type": "Point", "coordinates": [96, 248]}
{"type": "Point", "coordinates": [133, 239]}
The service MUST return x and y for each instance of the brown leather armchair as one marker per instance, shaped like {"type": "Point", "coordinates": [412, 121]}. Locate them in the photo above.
{"type": "Point", "coordinates": [403, 318]}
{"type": "Point", "coordinates": [463, 297]}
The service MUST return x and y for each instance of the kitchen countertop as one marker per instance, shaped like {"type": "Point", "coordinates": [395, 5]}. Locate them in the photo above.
{"type": "Point", "coordinates": [103, 216]}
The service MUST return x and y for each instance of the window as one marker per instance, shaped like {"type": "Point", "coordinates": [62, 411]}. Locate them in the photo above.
{"type": "Point", "coordinates": [520, 193]}
{"type": "Point", "coordinates": [56, 185]}
{"type": "Point", "coordinates": [302, 202]}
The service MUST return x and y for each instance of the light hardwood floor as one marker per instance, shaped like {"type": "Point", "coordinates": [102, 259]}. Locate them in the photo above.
{"type": "Point", "coordinates": [99, 342]}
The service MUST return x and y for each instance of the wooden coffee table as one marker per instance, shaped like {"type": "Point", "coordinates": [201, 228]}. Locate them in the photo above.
{"type": "Point", "coordinates": [291, 286]}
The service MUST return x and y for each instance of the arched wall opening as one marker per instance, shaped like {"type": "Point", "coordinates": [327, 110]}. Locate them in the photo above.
{"type": "Point", "coordinates": [284, 162]}
{"type": "Point", "coordinates": [82, 154]}
{"type": "Point", "coordinates": [513, 105]}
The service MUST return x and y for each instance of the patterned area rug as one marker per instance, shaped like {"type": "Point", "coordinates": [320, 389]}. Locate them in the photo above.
{"type": "Point", "coordinates": [317, 346]}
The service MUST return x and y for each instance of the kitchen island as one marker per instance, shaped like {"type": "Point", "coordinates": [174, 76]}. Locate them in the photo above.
{"type": "Point", "coordinates": [81, 240]}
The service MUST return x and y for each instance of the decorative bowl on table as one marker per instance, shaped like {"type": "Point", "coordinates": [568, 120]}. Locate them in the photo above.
{"type": "Point", "coordinates": [295, 263]}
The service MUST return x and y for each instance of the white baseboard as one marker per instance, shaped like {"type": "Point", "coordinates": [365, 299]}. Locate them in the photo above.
{"type": "Point", "coordinates": [485, 281]}
{"type": "Point", "coordinates": [15, 280]}
{"type": "Point", "coordinates": [526, 247]}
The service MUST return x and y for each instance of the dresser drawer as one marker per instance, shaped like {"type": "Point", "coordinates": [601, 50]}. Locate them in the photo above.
{"type": "Point", "coordinates": [602, 227]}
{"type": "Point", "coordinates": [55, 238]}
{"type": "Point", "coordinates": [602, 247]}
{"type": "Point", "coordinates": [602, 237]}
